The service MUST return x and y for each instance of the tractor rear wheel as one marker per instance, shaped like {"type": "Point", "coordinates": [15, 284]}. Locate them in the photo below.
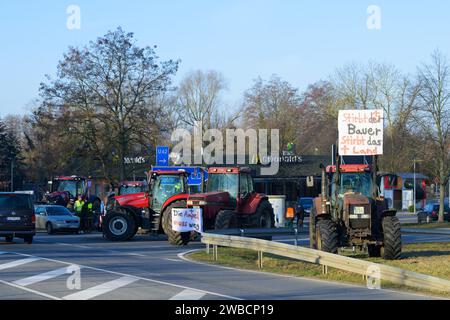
{"type": "Point", "coordinates": [119, 226]}
{"type": "Point", "coordinates": [392, 247]}
{"type": "Point", "coordinates": [175, 238]}
{"type": "Point", "coordinates": [264, 216]}
{"type": "Point", "coordinates": [225, 220]}
{"type": "Point", "coordinates": [326, 237]}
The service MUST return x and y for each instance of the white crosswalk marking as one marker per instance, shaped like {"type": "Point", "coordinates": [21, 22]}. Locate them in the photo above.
{"type": "Point", "coordinates": [188, 295]}
{"type": "Point", "coordinates": [101, 289]}
{"type": "Point", "coordinates": [17, 263]}
{"type": "Point", "coordinates": [41, 277]}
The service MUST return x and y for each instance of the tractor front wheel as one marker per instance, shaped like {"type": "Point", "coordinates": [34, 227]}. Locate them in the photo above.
{"type": "Point", "coordinates": [175, 238]}
{"type": "Point", "coordinates": [326, 237]}
{"type": "Point", "coordinates": [392, 247]}
{"type": "Point", "coordinates": [119, 226]}
{"type": "Point", "coordinates": [225, 220]}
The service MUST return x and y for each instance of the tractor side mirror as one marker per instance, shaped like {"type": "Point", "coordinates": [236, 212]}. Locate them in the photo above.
{"type": "Point", "coordinates": [244, 195]}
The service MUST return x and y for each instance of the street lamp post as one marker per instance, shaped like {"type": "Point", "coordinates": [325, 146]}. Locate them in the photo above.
{"type": "Point", "coordinates": [12, 175]}
{"type": "Point", "coordinates": [414, 197]}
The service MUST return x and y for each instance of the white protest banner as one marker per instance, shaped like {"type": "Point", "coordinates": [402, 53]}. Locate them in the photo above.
{"type": "Point", "coordinates": [186, 220]}
{"type": "Point", "coordinates": [361, 132]}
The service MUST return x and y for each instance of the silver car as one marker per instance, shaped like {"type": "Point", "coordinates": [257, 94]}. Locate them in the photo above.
{"type": "Point", "coordinates": [56, 218]}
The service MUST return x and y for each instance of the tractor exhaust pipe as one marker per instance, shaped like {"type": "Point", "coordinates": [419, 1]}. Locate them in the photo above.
{"type": "Point", "coordinates": [324, 197]}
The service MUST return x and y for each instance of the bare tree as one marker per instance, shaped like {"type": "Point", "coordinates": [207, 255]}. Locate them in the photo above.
{"type": "Point", "coordinates": [272, 104]}
{"type": "Point", "coordinates": [109, 88]}
{"type": "Point", "coordinates": [199, 98]}
{"type": "Point", "coordinates": [434, 118]}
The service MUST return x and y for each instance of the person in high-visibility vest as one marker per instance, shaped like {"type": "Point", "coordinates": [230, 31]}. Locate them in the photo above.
{"type": "Point", "coordinates": [78, 206]}
{"type": "Point", "coordinates": [90, 217]}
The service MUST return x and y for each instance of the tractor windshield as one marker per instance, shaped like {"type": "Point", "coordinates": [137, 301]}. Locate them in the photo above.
{"type": "Point", "coordinates": [224, 182]}
{"type": "Point", "coordinates": [164, 187]}
{"type": "Point", "coordinates": [131, 189]}
{"type": "Point", "coordinates": [71, 186]}
{"type": "Point", "coordinates": [355, 182]}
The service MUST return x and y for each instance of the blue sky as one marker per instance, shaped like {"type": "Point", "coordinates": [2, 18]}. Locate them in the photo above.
{"type": "Point", "coordinates": [302, 41]}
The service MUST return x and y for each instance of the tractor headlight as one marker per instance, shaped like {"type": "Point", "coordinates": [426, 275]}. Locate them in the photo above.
{"type": "Point", "coordinates": [196, 203]}
{"type": "Point", "coordinates": [359, 212]}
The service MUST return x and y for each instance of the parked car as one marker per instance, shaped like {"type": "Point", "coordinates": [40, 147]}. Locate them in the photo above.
{"type": "Point", "coordinates": [56, 218]}
{"type": "Point", "coordinates": [304, 206]}
{"type": "Point", "coordinates": [17, 216]}
{"type": "Point", "coordinates": [431, 213]}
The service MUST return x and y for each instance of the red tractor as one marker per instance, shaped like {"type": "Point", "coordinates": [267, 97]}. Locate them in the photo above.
{"type": "Point", "coordinates": [230, 201]}
{"type": "Point", "coordinates": [64, 190]}
{"type": "Point", "coordinates": [129, 212]}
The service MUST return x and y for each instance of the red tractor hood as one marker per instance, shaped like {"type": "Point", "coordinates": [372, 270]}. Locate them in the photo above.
{"type": "Point", "coordinates": [216, 197]}
{"type": "Point", "coordinates": [138, 200]}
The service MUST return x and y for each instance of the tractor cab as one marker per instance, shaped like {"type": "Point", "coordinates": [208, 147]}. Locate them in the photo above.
{"type": "Point", "coordinates": [73, 185]}
{"type": "Point", "coordinates": [165, 184]}
{"type": "Point", "coordinates": [64, 190]}
{"type": "Point", "coordinates": [237, 182]}
{"type": "Point", "coordinates": [131, 187]}
{"type": "Point", "coordinates": [353, 179]}
{"type": "Point", "coordinates": [227, 187]}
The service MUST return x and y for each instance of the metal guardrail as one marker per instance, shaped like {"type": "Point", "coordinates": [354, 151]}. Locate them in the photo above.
{"type": "Point", "coordinates": [364, 268]}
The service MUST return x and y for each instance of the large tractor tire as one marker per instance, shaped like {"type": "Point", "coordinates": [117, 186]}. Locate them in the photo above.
{"type": "Point", "coordinates": [225, 220]}
{"type": "Point", "coordinates": [392, 247]}
{"type": "Point", "coordinates": [264, 216]}
{"type": "Point", "coordinates": [119, 226]}
{"type": "Point", "coordinates": [175, 238]}
{"type": "Point", "coordinates": [326, 236]}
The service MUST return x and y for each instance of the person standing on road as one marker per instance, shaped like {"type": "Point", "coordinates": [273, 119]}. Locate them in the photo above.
{"type": "Point", "coordinates": [78, 206]}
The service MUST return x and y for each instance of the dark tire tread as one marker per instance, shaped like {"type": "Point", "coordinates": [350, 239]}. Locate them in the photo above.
{"type": "Point", "coordinates": [392, 248]}
{"type": "Point", "coordinates": [328, 235]}
{"type": "Point", "coordinates": [175, 238]}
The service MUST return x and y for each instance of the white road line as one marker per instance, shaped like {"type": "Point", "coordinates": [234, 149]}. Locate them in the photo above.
{"type": "Point", "coordinates": [30, 290]}
{"type": "Point", "coordinates": [136, 254]}
{"type": "Point", "coordinates": [175, 260]}
{"type": "Point", "coordinates": [188, 295]}
{"type": "Point", "coordinates": [139, 278]}
{"type": "Point", "coordinates": [101, 289]}
{"type": "Point", "coordinates": [74, 245]}
{"type": "Point", "coordinates": [41, 277]}
{"type": "Point", "coordinates": [17, 263]}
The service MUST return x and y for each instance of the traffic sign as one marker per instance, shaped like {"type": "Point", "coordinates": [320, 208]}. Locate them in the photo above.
{"type": "Point", "coordinates": [162, 156]}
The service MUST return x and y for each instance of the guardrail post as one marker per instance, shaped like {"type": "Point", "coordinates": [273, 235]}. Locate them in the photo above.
{"type": "Point", "coordinates": [296, 237]}
{"type": "Point", "coordinates": [325, 269]}
{"type": "Point", "coordinates": [207, 249]}
{"type": "Point", "coordinates": [215, 253]}
{"type": "Point", "coordinates": [260, 259]}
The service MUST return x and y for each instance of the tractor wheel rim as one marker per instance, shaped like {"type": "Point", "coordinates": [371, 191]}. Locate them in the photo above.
{"type": "Point", "coordinates": [118, 226]}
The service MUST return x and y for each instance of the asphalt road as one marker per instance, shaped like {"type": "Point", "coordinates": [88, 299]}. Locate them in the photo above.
{"type": "Point", "coordinates": [147, 268]}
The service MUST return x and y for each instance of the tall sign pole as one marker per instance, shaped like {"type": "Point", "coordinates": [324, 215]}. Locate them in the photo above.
{"type": "Point", "coordinates": [12, 175]}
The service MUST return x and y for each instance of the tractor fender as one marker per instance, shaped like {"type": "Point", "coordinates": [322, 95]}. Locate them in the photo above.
{"type": "Point", "coordinates": [134, 212]}
{"type": "Point", "coordinates": [389, 213]}
{"type": "Point", "coordinates": [169, 201]}
{"type": "Point", "coordinates": [318, 206]}
{"type": "Point", "coordinates": [252, 204]}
